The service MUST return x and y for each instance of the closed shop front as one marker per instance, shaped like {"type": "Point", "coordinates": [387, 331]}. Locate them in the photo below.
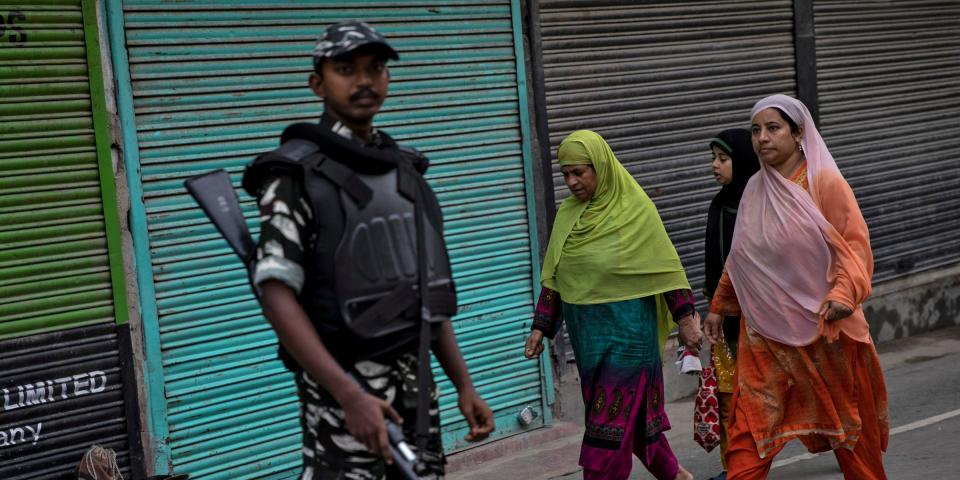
{"type": "Point", "coordinates": [210, 84]}
{"type": "Point", "coordinates": [658, 79]}
{"type": "Point", "coordinates": [889, 79]}
{"type": "Point", "coordinates": [62, 297]}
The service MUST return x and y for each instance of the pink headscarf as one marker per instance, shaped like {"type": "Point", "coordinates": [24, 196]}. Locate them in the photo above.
{"type": "Point", "coordinates": [785, 255]}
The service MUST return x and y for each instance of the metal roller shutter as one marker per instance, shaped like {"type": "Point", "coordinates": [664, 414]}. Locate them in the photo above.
{"type": "Point", "coordinates": [60, 260]}
{"type": "Point", "coordinates": [658, 80]}
{"type": "Point", "coordinates": [61, 393]}
{"type": "Point", "coordinates": [213, 85]}
{"type": "Point", "coordinates": [889, 76]}
{"type": "Point", "coordinates": [57, 203]}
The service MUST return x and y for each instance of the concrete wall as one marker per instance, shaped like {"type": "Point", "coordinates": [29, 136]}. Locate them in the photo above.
{"type": "Point", "coordinates": [916, 304]}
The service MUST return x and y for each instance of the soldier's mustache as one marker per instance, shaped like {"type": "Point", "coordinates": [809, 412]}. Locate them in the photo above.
{"type": "Point", "coordinates": [365, 93]}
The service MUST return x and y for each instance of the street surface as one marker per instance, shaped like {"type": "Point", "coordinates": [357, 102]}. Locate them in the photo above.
{"type": "Point", "coordinates": [923, 384]}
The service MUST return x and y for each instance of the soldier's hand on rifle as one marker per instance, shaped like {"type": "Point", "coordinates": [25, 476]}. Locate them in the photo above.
{"type": "Point", "coordinates": [478, 415]}
{"type": "Point", "coordinates": [364, 415]}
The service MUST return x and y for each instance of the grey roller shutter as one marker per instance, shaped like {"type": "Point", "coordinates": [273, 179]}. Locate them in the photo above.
{"type": "Point", "coordinates": [658, 80]}
{"type": "Point", "coordinates": [889, 78]}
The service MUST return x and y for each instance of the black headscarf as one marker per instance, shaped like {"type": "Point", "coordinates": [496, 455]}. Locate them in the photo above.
{"type": "Point", "coordinates": [735, 142]}
{"type": "Point", "coordinates": [722, 217]}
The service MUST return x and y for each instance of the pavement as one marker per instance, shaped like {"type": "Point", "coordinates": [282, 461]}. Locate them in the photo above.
{"type": "Point", "coordinates": [923, 387]}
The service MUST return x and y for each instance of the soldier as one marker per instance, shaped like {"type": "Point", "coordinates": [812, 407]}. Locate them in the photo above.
{"type": "Point", "coordinates": [349, 226]}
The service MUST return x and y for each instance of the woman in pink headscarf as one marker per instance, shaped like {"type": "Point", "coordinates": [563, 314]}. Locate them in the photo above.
{"type": "Point", "coordinates": [798, 271]}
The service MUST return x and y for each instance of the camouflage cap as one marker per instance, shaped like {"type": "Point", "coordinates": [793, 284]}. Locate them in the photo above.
{"type": "Point", "coordinates": [344, 37]}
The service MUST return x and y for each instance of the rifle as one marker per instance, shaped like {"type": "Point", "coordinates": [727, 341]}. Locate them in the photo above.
{"type": "Point", "coordinates": [214, 192]}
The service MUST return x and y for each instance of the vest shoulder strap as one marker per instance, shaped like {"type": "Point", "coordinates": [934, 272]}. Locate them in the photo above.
{"type": "Point", "coordinates": [345, 178]}
{"type": "Point", "coordinates": [295, 157]}
{"type": "Point", "coordinates": [287, 159]}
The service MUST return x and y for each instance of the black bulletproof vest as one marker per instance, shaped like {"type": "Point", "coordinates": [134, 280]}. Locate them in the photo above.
{"type": "Point", "coordinates": [376, 261]}
{"type": "Point", "coordinates": [360, 287]}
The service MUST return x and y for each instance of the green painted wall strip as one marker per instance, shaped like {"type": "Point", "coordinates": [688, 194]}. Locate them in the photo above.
{"type": "Point", "coordinates": [156, 423]}
{"type": "Point", "coordinates": [529, 179]}
{"type": "Point", "coordinates": [101, 128]}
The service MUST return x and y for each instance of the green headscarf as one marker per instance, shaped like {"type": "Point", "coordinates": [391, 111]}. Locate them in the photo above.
{"type": "Point", "coordinates": [612, 247]}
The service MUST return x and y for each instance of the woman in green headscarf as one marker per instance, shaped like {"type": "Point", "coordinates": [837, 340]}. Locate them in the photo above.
{"type": "Point", "coordinates": [611, 272]}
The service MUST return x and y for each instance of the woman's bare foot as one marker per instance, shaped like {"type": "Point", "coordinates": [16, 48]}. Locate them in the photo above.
{"type": "Point", "coordinates": [683, 475]}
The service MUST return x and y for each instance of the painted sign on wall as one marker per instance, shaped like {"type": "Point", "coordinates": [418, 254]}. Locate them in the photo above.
{"type": "Point", "coordinates": [60, 393]}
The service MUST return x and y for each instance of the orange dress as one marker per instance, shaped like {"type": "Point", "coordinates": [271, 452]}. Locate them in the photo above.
{"type": "Point", "coordinates": [830, 394]}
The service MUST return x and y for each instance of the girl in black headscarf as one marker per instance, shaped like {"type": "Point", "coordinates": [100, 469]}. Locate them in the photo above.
{"type": "Point", "coordinates": [734, 162]}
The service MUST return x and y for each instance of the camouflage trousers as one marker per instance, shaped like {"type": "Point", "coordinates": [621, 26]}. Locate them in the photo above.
{"type": "Point", "coordinates": [331, 453]}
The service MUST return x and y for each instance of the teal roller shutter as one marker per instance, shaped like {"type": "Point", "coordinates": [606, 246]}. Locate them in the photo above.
{"type": "Point", "coordinates": [213, 84]}
{"type": "Point", "coordinates": [57, 203]}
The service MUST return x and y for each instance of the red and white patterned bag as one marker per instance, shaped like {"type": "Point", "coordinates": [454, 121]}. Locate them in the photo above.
{"type": "Point", "coordinates": [706, 411]}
